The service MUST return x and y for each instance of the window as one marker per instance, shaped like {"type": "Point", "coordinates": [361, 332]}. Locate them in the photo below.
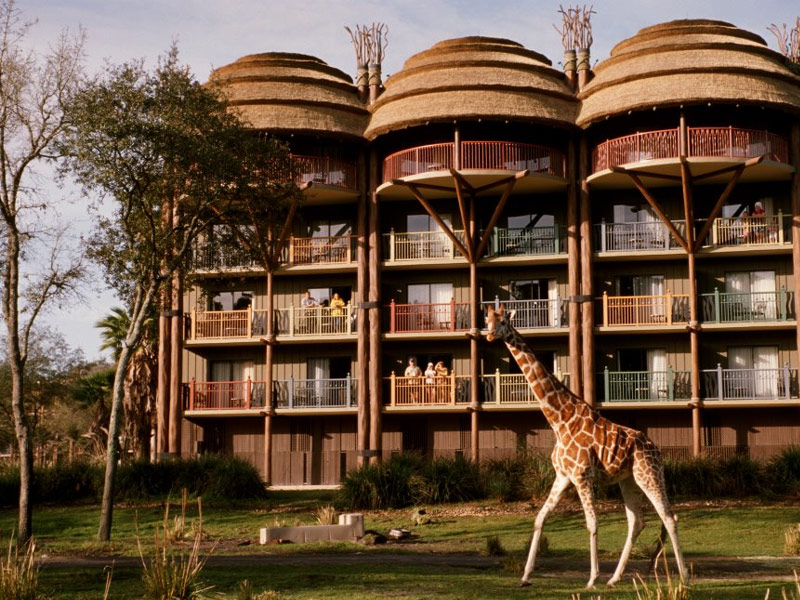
{"type": "Point", "coordinates": [752, 372]}
{"type": "Point", "coordinates": [750, 295]}
{"type": "Point", "coordinates": [434, 312]}
{"type": "Point", "coordinates": [640, 285]}
{"type": "Point", "coordinates": [232, 300]}
{"type": "Point", "coordinates": [430, 293]}
{"type": "Point", "coordinates": [419, 223]}
{"type": "Point", "coordinates": [536, 306]}
{"type": "Point", "coordinates": [529, 221]}
{"type": "Point", "coordinates": [634, 213]}
{"type": "Point", "coordinates": [231, 370]}
{"type": "Point", "coordinates": [643, 374]}
{"type": "Point", "coordinates": [328, 228]}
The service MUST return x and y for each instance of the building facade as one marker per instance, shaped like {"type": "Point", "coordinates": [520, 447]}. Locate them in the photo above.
{"type": "Point", "coordinates": [637, 217]}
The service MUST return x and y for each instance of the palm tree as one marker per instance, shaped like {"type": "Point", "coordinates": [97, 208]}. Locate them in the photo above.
{"type": "Point", "coordinates": [140, 381]}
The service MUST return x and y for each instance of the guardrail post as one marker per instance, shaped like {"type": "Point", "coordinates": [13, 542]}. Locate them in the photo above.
{"type": "Point", "coordinates": [780, 226]}
{"type": "Point", "coordinates": [720, 394]}
{"type": "Point", "coordinates": [715, 232]}
{"type": "Point", "coordinates": [717, 315]}
{"type": "Point", "coordinates": [452, 314]}
{"type": "Point", "coordinates": [782, 300]}
{"type": "Point", "coordinates": [786, 381]}
{"type": "Point", "coordinates": [192, 385]}
{"type": "Point", "coordinates": [248, 390]}
{"type": "Point", "coordinates": [291, 320]}
{"type": "Point", "coordinates": [291, 249]}
{"type": "Point", "coordinates": [453, 387]}
{"type": "Point", "coordinates": [497, 302]}
{"type": "Point", "coordinates": [349, 252]}
{"type": "Point", "coordinates": [249, 321]}
{"type": "Point", "coordinates": [391, 245]}
{"type": "Point", "coordinates": [556, 239]}
{"type": "Point", "coordinates": [194, 323]}
{"type": "Point", "coordinates": [603, 242]}
{"type": "Point", "coordinates": [668, 307]}
{"type": "Point", "coordinates": [392, 389]}
{"type": "Point", "coordinates": [497, 381]}
{"type": "Point", "coordinates": [496, 241]}
{"type": "Point", "coordinates": [291, 391]}
{"type": "Point", "coordinates": [605, 309]}
{"type": "Point", "coordinates": [606, 384]}
{"type": "Point", "coordinates": [392, 314]}
{"type": "Point", "coordinates": [671, 383]}
{"type": "Point", "coordinates": [730, 140]}
{"type": "Point", "coordinates": [349, 389]}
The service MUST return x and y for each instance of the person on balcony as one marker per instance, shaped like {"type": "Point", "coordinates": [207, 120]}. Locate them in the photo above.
{"type": "Point", "coordinates": [441, 381]}
{"type": "Point", "coordinates": [430, 380]}
{"type": "Point", "coordinates": [307, 320]}
{"type": "Point", "coordinates": [337, 313]}
{"type": "Point", "coordinates": [759, 221]}
{"type": "Point", "coordinates": [413, 372]}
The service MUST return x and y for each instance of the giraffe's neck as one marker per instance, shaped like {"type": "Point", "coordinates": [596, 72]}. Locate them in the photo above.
{"type": "Point", "coordinates": [548, 391]}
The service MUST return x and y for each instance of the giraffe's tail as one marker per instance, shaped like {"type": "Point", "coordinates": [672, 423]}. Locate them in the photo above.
{"type": "Point", "coordinates": [657, 548]}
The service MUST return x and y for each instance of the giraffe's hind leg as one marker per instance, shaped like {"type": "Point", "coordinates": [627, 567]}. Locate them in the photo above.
{"type": "Point", "coordinates": [586, 495]}
{"type": "Point", "coordinates": [633, 510]}
{"type": "Point", "coordinates": [651, 481]}
{"type": "Point", "coordinates": [559, 487]}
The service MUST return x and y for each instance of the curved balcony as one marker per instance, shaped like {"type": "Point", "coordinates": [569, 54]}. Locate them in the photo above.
{"type": "Point", "coordinates": [481, 164]}
{"type": "Point", "coordinates": [327, 179]}
{"type": "Point", "coordinates": [657, 153]}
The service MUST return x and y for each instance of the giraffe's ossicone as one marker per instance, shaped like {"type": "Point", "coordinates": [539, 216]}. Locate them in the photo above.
{"type": "Point", "coordinates": [588, 445]}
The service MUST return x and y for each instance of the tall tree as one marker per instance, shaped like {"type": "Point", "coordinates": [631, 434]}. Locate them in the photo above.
{"type": "Point", "coordinates": [140, 381]}
{"type": "Point", "coordinates": [34, 90]}
{"type": "Point", "coordinates": [171, 159]}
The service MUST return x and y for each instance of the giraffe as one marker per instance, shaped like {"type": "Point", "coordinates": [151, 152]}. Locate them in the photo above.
{"type": "Point", "coordinates": [588, 445]}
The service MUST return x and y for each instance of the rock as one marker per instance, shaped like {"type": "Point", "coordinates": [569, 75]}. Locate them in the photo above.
{"type": "Point", "coordinates": [399, 534]}
{"type": "Point", "coordinates": [420, 517]}
{"type": "Point", "coordinates": [373, 538]}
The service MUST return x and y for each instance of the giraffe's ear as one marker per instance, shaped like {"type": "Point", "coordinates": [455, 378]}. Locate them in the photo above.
{"type": "Point", "coordinates": [490, 311]}
{"type": "Point", "coordinates": [501, 309]}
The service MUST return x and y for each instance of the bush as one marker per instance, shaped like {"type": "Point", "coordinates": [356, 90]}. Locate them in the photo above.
{"type": "Point", "coordinates": [389, 484]}
{"type": "Point", "coordinates": [740, 476]}
{"type": "Point", "coordinates": [783, 471]}
{"type": "Point", "coordinates": [504, 479]}
{"type": "Point", "coordinates": [696, 478]}
{"type": "Point", "coordinates": [449, 480]}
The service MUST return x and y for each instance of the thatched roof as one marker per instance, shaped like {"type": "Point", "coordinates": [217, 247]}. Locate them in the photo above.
{"type": "Point", "coordinates": [282, 92]}
{"type": "Point", "coordinates": [471, 78]}
{"type": "Point", "coordinates": [685, 62]}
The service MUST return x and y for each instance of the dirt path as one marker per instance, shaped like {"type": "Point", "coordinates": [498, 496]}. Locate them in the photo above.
{"type": "Point", "coordinates": [704, 567]}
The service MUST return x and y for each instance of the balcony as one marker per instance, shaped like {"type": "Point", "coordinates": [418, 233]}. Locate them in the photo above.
{"type": "Point", "coordinates": [420, 246]}
{"type": "Point", "coordinates": [544, 240]}
{"type": "Point", "coordinates": [750, 384]}
{"type": "Point", "coordinates": [422, 391]}
{"type": "Point", "coordinates": [645, 386]}
{"type": "Point", "coordinates": [329, 253]}
{"type": "Point", "coordinates": [248, 324]}
{"type": "Point", "coordinates": [482, 163]}
{"type": "Point", "coordinates": [546, 313]}
{"type": "Point", "coordinates": [503, 389]}
{"type": "Point", "coordinates": [747, 307]}
{"type": "Point", "coordinates": [709, 149]}
{"type": "Point", "coordinates": [636, 311]}
{"type": "Point", "coordinates": [287, 394]}
{"type": "Point", "coordinates": [636, 237]}
{"type": "Point", "coordinates": [330, 179]}
{"type": "Point", "coordinates": [750, 232]}
{"type": "Point", "coordinates": [444, 317]}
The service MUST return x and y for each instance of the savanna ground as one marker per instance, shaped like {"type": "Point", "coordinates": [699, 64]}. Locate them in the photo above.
{"type": "Point", "coordinates": [736, 549]}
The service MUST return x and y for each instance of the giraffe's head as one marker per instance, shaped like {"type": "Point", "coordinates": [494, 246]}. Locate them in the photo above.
{"type": "Point", "coordinates": [498, 323]}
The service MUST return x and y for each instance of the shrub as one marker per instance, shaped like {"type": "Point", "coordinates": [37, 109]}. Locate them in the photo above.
{"type": "Point", "coordinates": [739, 476]}
{"type": "Point", "coordinates": [449, 480]}
{"type": "Point", "coordinates": [696, 478]}
{"type": "Point", "coordinates": [389, 484]}
{"type": "Point", "coordinates": [783, 471]}
{"type": "Point", "coordinates": [326, 515]}
{"type": "Point", "coordinates": [503, 479]}
{"type": "Point", "coordinates": [494, 547]}
{"type": "Point", "coordinates": [792, 537]}
{"type": "Point", "coordinates": [19, 575]}
{"type": "Point", "coordinates": [539, 475]}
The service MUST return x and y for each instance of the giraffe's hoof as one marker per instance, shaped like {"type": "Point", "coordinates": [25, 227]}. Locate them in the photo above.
{"type": "Point", "coordinates": [524, 583]}
{"type": "Point", "coordinates": [611, 583]}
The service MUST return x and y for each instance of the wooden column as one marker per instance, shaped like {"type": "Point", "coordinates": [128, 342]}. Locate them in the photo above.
{"type": "Point", "coordinates": [475, 436]}
{"type": "Point", "coordinates": [694, 326]}
{"type": "Point", "coordinates": [362, 399]}
{"type": "Point", "coordinates": [175, 374]}
{"type": "Point", "coordinates": [587, 275]}
{"type": "Point", "coordinates": [269, 410]}
{"type": "Point", "coordinates": [475, 331]}
{"type": "Point", "coordinates": [573, 273]}
{"type": "Point", "coordinates": [162, 390]}
{"type": "Point", "coordinates": [794, 151]}
{"type": "Point", "coordinates": [375, 387]}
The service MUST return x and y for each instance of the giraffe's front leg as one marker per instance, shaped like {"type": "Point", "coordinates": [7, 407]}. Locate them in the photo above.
{"type": "Point", "coordinates": [586, 495]}
{"type": "Point", "coordinates": [559, 487]}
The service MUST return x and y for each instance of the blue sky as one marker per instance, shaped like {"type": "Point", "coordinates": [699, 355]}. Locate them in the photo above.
{"type": "Point", "coordinates": [213, 33]}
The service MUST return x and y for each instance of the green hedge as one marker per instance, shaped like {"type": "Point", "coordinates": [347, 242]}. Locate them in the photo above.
{"type": "Point", "coordinates": [212, 476]}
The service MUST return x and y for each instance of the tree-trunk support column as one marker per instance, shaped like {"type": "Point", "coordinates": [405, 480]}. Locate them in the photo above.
{"type": "Point", "coordinates": [474, 337]}
{"type": "Point", "coordinates": [794, 151]}
{"type": "Point", "coordinates": [573, 274]}
{"type": "Point", "coordinates": [375, 388]}
{"type": "Point", "coordinates": [587, 272]}
{"type": "Point", "coordinates": [269, 409]}
{"type": "Point", "coordinates": [162, 389]}
{"type": "Point", "coordinates": [175, 371]}
{"type": "Point", "coordinates": [362, 399]}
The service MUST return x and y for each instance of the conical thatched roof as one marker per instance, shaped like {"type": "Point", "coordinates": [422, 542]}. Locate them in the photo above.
{"type": "Point", "coordinates": [281, 92]}
{"type": "Point", "coordinates": [471, 78]}
{"type": "Point", "coordinates": [689, 61]}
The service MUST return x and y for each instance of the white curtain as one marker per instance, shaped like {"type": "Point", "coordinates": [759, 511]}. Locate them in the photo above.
{"type": "Point", "coordinates": [762, 286]}
{"type": "Point", "coordinates": [552, 296]}
{"type": "Point", "coordinates": [657, 366]}
{"type": "Point", "coordinates": [765, 361]}
{"type": "Point", "coordinates": [737, 283]}
{"type": "Point", "coordinates": [221, 371]}
{"type": "Point", "coordinates": [441, 293]}
{"type": "Point", "coordinates": [319, 369]}
{"type": "Point", "coordinates": [761, 376]}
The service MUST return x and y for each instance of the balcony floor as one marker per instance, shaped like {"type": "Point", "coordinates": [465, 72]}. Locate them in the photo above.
{"type": "Point", "coordinates": [317, 194]}
{"type": "Point", "coordinates": [641, 329]}
{"type": "Point", "coordinates": [767, 170]}
{"type": "Point", "coordinates": [533, 183]}
{"type": "Point", "coordinates": [259, 340]}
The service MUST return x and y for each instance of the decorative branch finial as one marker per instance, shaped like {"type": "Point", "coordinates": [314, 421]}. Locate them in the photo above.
{"type": "Point", "coordinates": [360, 40]}
{"type": "Point", "coordinates": [788, 43]}
{"type": "Point", "coordinates": [576, 26]}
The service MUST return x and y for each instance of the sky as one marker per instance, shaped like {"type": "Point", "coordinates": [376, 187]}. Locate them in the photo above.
{"type": "Point", "coordinates": [213, 33]}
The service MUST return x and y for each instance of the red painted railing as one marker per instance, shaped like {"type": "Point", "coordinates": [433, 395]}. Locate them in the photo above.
{"type": "Point", "coordinates": [734, 142]}
{"type": "Point", "coordinates": [727, 142]}
{"type": "Point", "coordinates": [224, 395]}
{"type": "Point", "coordinates": [446, 316]}
{"type": "Point", "coordinates": [505, 156]}
{"type": "Point", "coordinates": [325, 170]}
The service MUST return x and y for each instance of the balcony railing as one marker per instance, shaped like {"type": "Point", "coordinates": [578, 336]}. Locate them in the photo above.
{"type": "Point", "coordinates": [419, 245]}
{"type": "Point", "coordinates": [286, 393]}
{"type": "Point", "coordinates": [319, 250]}
{"type": "Point", "coordinates": [508, 156]}
{"type": "Point", "coordinates": [528, 241]}
{"type": "Point", "coordinates": [511, 388]}
{"type": "Point", "coordinates": [751, 231]}
{"type": "Point", "coordinates": [645, 386]}
{"type": "Point", "coordinates": [325, 170]}
{"type": "Point", "coordinates": [314, 393]}
{"type": "Point", "coordinates": [724, 142]}
{"type": "Point", "coordinates": [547, 313]}
{"type": "Point", "coordinates": [417, 318]}
{"type": "Point", "coordinates": [748, 307]}
{"type": "Point", "coordinates": [224, 395]}
{"type": "Point", "coordinates": [222, 324]}
{"type": "Point", "coordinates": [315, 321]}
{"type": "Point", "coordinates": [631, 237]}
{"type": "Point", "coordinates": [666, 309]}
{"type": "Point", "coordinates": [746, 384]}
{"type": "Point", "coordinates": [415, 391]}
